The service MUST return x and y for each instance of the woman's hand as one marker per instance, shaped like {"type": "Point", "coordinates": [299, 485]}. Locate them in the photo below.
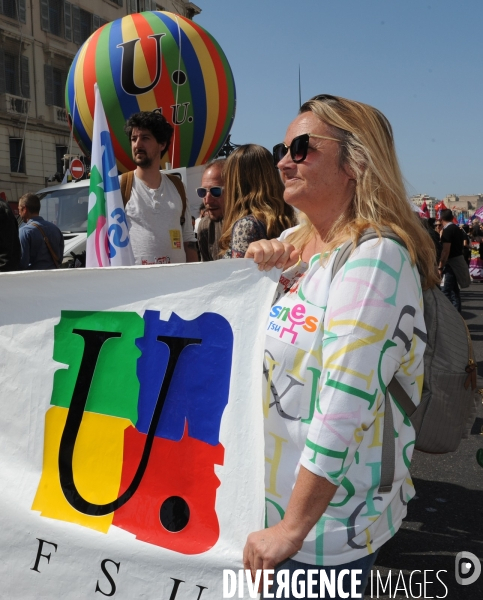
{"type": "Point", "coordinates": [272, 253]}
{"type": "Point", "coordinates": [309, 500]}
{"type": "Point", "coordinates": [267, 548]}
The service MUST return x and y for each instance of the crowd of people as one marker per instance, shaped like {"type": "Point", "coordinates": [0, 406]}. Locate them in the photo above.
{"type": "Point", "coordinates": [337, 340]}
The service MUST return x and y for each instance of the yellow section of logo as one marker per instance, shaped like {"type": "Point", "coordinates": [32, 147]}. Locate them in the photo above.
{"type": "Point", "coordinates": [97, 466]}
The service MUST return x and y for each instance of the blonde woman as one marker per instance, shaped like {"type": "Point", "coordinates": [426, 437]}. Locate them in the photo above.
{"type": "Point", "coordinates": [333, 346]}
{"type": "Point", "coordinates": [254, 205]}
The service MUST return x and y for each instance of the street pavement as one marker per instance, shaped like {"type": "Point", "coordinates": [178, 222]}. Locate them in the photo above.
{"type": "Point", "coordinates": [446, 516]}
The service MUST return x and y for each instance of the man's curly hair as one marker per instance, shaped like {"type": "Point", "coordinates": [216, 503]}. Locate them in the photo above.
{"type": "Point", "coordinates": [155, 122]}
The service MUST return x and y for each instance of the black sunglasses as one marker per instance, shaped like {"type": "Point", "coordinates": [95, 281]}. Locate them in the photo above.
{"type": "Point", "coordinates": [216, 191]}
{"type": "Point", "coordinates": [298, 147]}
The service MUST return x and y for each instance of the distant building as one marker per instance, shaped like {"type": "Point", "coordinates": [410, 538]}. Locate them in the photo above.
{"type": "Point", "coordinates": [420, 199]}
{"type": "Point", "coordinates": [38, 41]}
{"type": "Point", "coordinates": [464, 204]}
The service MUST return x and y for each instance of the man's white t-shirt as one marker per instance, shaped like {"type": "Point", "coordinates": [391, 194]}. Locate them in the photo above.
{"type": "Point", "coordinates": [153, 217]}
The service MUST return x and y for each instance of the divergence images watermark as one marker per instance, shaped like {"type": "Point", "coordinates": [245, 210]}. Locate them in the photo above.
{"type": "Point", "coordinates": [329, 583]}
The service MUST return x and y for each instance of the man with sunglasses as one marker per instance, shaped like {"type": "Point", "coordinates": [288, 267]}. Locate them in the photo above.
{"type": "Point", "coordinates": [211, 225]}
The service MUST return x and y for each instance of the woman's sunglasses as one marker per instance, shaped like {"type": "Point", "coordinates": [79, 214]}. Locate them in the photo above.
{"type": "Point", "coordinates": [298, 147]}
{"type": "Point", "coordinates": [216, 191]}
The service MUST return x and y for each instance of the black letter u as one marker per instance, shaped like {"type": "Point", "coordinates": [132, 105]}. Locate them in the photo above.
{"type": "Point", "coordinates": [94, 341]}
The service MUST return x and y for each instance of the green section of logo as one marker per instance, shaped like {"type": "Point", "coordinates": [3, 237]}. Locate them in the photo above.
{"type": "Point", "coordinates": [115, 387]}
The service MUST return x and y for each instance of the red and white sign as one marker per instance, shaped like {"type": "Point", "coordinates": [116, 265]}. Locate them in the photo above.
{"type": "Point", "coordinates": [77, 168]}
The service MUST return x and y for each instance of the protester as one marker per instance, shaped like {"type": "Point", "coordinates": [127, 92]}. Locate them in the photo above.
{"type": "Point", "coordinates": [466, 244]}
{"type": "Point", "coordinates": [9, 240]}
{"type": "Point", "coordinates": [323, 410]}
{"type": "Point", "coordinates": [435, 236]}
{"type": "Point", "coordinates": [254, 206]}
{"type": "Point", "coordinates": [452, 266]}
{"type": "Point", "coordinates": [201, 214]}
{"type": "Point", "coordinates": [476, 245]}
{"type": "Point", "coordinates": [41, 241]}
{"type": "Point", "coordinates": [210, 227]}
{"type": "Point", "coordinates": [159, 230]}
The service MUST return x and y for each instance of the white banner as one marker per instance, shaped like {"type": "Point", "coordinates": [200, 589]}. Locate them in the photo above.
{"type": "Point", "coordinates": [131, 429]}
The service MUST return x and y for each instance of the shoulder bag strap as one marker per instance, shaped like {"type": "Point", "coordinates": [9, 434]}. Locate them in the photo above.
{"type": "Point", "coordinates": [49, 247]}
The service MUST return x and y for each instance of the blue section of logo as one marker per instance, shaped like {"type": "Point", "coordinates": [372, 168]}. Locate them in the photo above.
{"type": "Point", "coordinates": [109, 168]}
{"type": "Point", "coordinates": [118, 233]}
{"type": "Point", "coordinates": [201, 382]}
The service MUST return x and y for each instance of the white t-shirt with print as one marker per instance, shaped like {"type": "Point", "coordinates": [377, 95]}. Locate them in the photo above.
{"type": "Point", "coordinates": [328, 359]}
{"type": "Point", "coordinates": [154, 223]}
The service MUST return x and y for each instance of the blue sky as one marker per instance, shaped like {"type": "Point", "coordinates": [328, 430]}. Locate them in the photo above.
{"type": "Point", "coordinates": [419, 61]}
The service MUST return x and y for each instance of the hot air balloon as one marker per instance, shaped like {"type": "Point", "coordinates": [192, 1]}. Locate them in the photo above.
{"type": "Point", "coordinates": [147, 61]}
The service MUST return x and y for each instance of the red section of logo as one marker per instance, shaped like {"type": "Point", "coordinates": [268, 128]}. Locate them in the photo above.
{"type": "Point", "coordinates": [180, 477]}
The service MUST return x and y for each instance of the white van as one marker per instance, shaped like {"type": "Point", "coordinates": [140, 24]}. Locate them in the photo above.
{"type": "Point", "coordinates": [67, 204]}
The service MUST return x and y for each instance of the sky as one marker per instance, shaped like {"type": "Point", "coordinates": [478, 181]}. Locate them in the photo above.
{"type": "Point", "coordinates": [419, 61]}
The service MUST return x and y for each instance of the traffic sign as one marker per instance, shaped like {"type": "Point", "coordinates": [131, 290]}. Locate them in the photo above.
{"type": "Point", "coordinates": [77, 168]}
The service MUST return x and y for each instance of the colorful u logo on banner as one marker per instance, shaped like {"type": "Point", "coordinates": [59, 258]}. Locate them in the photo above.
{"type": "Point", "coordinates": [132, 436]}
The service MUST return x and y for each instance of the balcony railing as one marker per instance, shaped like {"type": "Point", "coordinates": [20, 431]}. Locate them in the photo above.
{"type": "Point", "coordinates": [60, 115]}
{"type": "Point", "coordinates": [14, 104]}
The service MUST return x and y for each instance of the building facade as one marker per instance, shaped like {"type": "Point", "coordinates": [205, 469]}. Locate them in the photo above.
{"type": "Point", "coordinates": [38, 41]}
{"type": "Point", "coordinates": [464, 205]}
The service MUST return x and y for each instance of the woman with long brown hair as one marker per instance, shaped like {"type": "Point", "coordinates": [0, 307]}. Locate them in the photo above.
{"type": "Point", "coordinates": [254, 205]}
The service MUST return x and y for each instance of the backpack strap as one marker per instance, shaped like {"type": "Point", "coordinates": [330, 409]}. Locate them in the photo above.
{"type": "Point", "coordinates": [388, 452]}
{"type": "Point", "coordinates": [47, 243]}
{"type": "Point", "coordinates": [345, 250]}
{"type": "Point", "coordinates": [126, 186]}
{"type": "Point", "coordinates": [388, 457]}
{"type": "Point", "coordinates": [394, 388]}
{"type": "Point", "coordinates": [178, 184]}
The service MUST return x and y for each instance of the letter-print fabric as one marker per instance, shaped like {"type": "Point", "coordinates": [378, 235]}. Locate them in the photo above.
{"type": "Point", "coordinates": [324, 401]}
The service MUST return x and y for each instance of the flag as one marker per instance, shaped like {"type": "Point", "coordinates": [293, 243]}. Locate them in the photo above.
{"type": "Point", "coordinates": [67, 177]}
{"type": "Point", "coordinates": [424, 210]}
{"type": "Point", "coordinates": [438, 207]}
{"type": "Point", "coordinates": [108, 243]}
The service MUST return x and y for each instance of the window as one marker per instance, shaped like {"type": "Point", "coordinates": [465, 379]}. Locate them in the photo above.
{"type": "Point", "coordinates": [17, 155]}
{"type": "Point", "coordinates": [51, 16]}
{"type": "Point", "coordinates": [85, 24]}
{"type": "Point", "coordinates": [59, 86]}
{"type": "Point", "coordinates": [55, 17]}
{"type": "Point", "coordinates": [9, 9]}
{"type": "Point", "coordinates": [59, 158]}
{"type": "Point", "coordinates": [55, 79]}
{"type": "Point", "coordinates": [67, 20]}
{"type": "Point", "coordinates": [80, 24]}
{"type": "Point", "coordinates": [14, 73]}
{"type": "Point", "coordinates": [11, 74]}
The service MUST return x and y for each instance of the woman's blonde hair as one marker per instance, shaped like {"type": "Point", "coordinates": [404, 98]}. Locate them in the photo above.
{"type": "Point", "coordinates": [367, 152]}
{"type": "Point", "coordinates": [253, 187]}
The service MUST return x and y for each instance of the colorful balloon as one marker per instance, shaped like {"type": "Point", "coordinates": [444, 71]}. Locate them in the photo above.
{"type": "Point", "coordinates": [154, 60]}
